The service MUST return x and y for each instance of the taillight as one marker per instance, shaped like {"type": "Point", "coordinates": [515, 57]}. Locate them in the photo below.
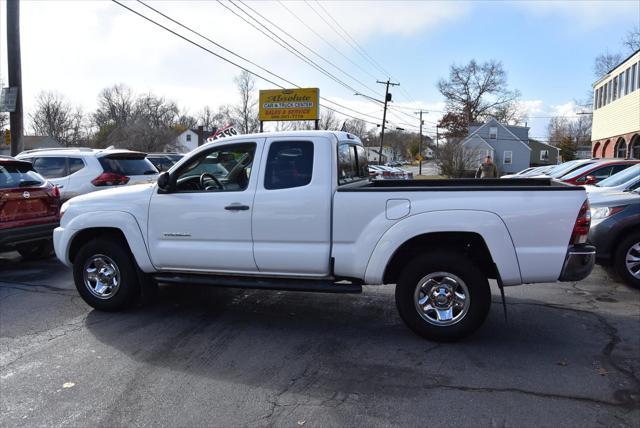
{"type": "Point", "coordinates": [581, 227]}
{"type": "Point", "coordinates": [55, 192]}
{"type": "Point", "coordinates": [109, 179]}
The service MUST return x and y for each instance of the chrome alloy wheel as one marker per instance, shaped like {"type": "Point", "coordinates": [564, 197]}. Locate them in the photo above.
{"type": "Point", "coordinates": [442, 299]}
{"type": "Point", "coordinates": [101, 276]}
{"type": "Point", "coordinates": [632, 260]}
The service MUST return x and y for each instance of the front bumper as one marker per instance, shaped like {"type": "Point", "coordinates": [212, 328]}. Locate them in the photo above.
{"type": "Point", "coordinates": [10, 238]}
{"type": "Point", "coordinates": [578, 263]}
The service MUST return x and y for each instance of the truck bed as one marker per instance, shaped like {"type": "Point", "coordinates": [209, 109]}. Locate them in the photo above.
{"type": "Point", "coordinates": [458, 184]}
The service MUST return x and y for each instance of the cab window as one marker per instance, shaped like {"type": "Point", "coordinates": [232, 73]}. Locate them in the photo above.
{"type": "Point", "coordinates": [289, 164]}
{"type": "Point", "coordinates": [222, 169]}
{"type": "Point", "coordinates": [352, 163]}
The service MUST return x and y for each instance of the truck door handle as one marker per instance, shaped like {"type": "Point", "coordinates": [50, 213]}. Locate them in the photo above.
{"type": "Point", "coordinates": [236, 207]}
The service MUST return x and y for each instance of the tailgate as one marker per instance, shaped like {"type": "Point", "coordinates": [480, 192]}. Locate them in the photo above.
{"type": "Point", "coordinates": [25, 204]}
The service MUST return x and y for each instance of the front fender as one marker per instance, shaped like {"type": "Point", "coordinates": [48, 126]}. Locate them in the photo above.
{"type": "Point", "coordinates": [63, 236]}
{"type": "Point", "coordinates": [486, 224]}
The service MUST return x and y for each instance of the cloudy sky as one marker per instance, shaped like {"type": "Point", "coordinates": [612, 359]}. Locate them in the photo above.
{"type": "Point", "coordinates": [79, 47]}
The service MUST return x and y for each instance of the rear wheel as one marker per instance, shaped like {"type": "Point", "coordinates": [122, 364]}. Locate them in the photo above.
{"type": "Point", "coordinates": [36, 251]}
{"type": "Point", "coordinates": [105, 275]}
{"type": "Point", "coordinates": [443, 297]}
{"type": "Point", "coordinates": [626, 260]}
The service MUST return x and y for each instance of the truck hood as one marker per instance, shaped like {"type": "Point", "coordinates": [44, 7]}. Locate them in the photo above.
{"type": "Point", "coordinates": [130, 199]}
{"type": "Point", "coordinates": [115, 196]}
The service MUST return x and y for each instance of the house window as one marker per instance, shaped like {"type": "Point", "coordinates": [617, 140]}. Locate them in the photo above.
{"type": "Point", "coordinates": [626, 80]}
{"type": "Point", "coordinates": [621, 85]}
{"type": "Point", "coordinates": [493, 132]}
{"type": "Point", "coordinates": [632, 86]}
{"type": "Point", "coordinates": [544, 155]}
{"type": "Point", "coordinates": [614, 92]}
{"type": "Point", "coordinates": [188, 137]}
{"type": "Point", "coordinates": [508, 155]}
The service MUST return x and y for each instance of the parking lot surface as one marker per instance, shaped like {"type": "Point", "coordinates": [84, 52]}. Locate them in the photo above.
{"type": "Point", "coordinates": [569, 355]}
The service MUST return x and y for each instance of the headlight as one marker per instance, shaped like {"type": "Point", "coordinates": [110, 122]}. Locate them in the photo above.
{"type": "Point", "coordinates": [604, 212]}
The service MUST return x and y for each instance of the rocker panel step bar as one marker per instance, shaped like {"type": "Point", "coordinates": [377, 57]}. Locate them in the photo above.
{"type": "Point", "coordinates": [259, 283]}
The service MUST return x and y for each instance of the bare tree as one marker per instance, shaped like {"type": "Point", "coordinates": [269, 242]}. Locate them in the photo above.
{"type": "Point", "coordinates": [206, 118]}
{"type": "Point", "coordinates": [246, 111]}
{"type": "Point", "coordinates": [328, 120]}
{"type": "Point", "coordinates": [116, 105]}
{"type": "Point", "coordinates": [605, 62]}
{"type": "Point", "coordinates": [476, 91]}
{"type": "Point", "coordinates": [455, 161]}
{"type": "Point", "coordinates": [56, 117]}
{"type": "Point", "coordinates": [632, 39]}
{"type": "Point", "coordinates": [4, 121]}
{"type": "Point", "coordinates": [356, 127]}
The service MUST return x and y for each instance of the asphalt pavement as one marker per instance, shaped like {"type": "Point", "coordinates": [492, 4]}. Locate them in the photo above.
{"type": "Point", "coordinates": [569, 355]}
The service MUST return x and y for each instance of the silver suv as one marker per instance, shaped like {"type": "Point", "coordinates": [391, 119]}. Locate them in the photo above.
{"type": "Point", "coordinates": [76, 171]}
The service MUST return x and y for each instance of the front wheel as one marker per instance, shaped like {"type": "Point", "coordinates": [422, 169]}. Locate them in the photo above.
{"type": "Point", "coordinates": [626, 260]}
{"type": "Point", "coordinates": [443, 297]}
{"type": "Point", "coordinates": [105, 275]}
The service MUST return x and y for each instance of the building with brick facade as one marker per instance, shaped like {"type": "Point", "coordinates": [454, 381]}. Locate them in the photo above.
{"type": "Point", "coordinates": [615, 132]}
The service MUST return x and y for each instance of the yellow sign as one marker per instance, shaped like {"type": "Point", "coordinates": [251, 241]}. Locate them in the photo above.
{"type": "Point", "coordinates": [7, 137]}
{"type": "Point", "coordinates": [289, 104]}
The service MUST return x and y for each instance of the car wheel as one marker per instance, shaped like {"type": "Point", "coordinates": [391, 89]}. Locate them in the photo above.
{"type": "Point", "coordinates": [105, 275]}
{"type": "Point", "coordinates": [443, 297]}
{"type": "Point", "coordinates": [37, 251]}
{"type": "Point", "coordinates": [626, 260]}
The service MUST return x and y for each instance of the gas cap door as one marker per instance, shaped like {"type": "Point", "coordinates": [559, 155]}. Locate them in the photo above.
{"type": "Point", "coordinates": [397, 208]}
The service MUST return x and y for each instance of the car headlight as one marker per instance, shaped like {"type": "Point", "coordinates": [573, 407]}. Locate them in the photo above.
{"type": "Point", "coordinates": [604, 212]}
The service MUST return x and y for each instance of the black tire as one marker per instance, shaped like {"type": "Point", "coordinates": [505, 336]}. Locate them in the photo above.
{"type": "Point", "coordinates": [620, 255]}
{"type": "Point", "coordinates": [477, 289]}
{"type": "Point", "coordinates": [116, 253]}
{"type": "Point", "coordinates": [36, 251]}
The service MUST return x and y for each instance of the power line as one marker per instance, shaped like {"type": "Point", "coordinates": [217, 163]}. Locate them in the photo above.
{"type": "Point", "coordinates": [310, 50]}
{"type": "Point", "coordinates": [283, 42]}
{"type": "Point", "coordinates": [331, 45]}
{"type": "Point", "coordinates": [253, 73]}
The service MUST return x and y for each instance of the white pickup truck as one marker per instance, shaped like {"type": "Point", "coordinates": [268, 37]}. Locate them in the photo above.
{"type": "Point", "coordinates": [297, 211]}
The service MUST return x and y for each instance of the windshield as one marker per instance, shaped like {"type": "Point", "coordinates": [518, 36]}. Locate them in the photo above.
{"type": "Point", "coordinates": [622, 177]}
{"type": "Point", "coordinates": [566, 168]}
{"type": "Point", "coordinates": [14, 175]}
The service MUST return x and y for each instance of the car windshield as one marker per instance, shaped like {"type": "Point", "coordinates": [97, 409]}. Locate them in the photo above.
{"type": "Point", "coordinates": [621, 178]}
{"type": "Point", "coordinates": [566, 168]}
{"type": "Point", "coordinates": [14, 175]}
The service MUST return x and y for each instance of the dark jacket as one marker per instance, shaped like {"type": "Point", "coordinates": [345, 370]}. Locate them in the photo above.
{"type": "Point", "coordinates": [487, 170]}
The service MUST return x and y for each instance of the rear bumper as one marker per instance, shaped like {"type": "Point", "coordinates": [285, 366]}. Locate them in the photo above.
{"type": "Point", "coordinates": [10, 238]}
{"type": "Point", "coordinates": [578, 263]}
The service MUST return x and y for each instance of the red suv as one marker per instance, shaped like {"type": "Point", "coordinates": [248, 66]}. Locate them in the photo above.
{"type": "Point", "coordinates": [29, 209]}
{"type": "Point", "coordinates": [595, 172]}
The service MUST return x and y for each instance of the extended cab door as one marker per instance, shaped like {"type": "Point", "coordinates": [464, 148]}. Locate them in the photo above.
{"type": "Point", "coordinates": [204, 222]}
{"type": "Point", "coordinates": [292, 207]}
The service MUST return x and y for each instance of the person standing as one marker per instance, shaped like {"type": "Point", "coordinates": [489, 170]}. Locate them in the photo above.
{"type": "Point", "coordinates": [487, 169]}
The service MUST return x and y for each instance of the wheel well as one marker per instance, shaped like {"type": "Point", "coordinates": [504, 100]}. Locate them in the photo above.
{"type": "Point", "coordinates": [615, 242]}
{"type": "Point", "coordinates": [87, 235]}
{"type": "Point", "coordinates": [469, 243]}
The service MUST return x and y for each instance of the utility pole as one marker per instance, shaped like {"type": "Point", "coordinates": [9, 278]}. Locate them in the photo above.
{"type": "Point", "coordinates": [387, 98]}
{"type": "Point", "coordinates": [420, 145]}
{"type": "Point", "coordinates": [15, 73]}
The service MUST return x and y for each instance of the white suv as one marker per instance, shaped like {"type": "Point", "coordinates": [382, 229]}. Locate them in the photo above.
{"type": "Point", "coordinates": [76, 171]}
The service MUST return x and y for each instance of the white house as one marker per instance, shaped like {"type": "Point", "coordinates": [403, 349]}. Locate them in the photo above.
{"type": "Point", "coordinates": [187, 141]}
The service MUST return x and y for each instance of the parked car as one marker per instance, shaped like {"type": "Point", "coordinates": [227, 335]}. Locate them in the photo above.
{"type": "Point", "coordinates": [623, 181]}
{"type": "Point", "coordinates": [298, 212]}
{"type": "Point", "coordinates": [597, 171]}
{"type": "Point", "coordinates": [164, 161]}
{"type": "Point", "coordinates": [76, 171]}
{"type": "Point", "coordinates": [29, 210]}
{"type": "Point", "coordinates": [615, 232]}
{"type": "Point", "coordinates": [565, 168]}
{"type": "Point", "coordinates": [530, 172]}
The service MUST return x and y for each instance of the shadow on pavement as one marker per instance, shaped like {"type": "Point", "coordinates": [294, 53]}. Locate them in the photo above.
{"type": "Point", "coordinates": [309, 344]}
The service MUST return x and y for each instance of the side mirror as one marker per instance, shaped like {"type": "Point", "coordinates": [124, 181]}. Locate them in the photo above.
{"type": "Point", "coordinates": [591, 180]}
{"type": "Point", "coordinates": [164, 181]}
